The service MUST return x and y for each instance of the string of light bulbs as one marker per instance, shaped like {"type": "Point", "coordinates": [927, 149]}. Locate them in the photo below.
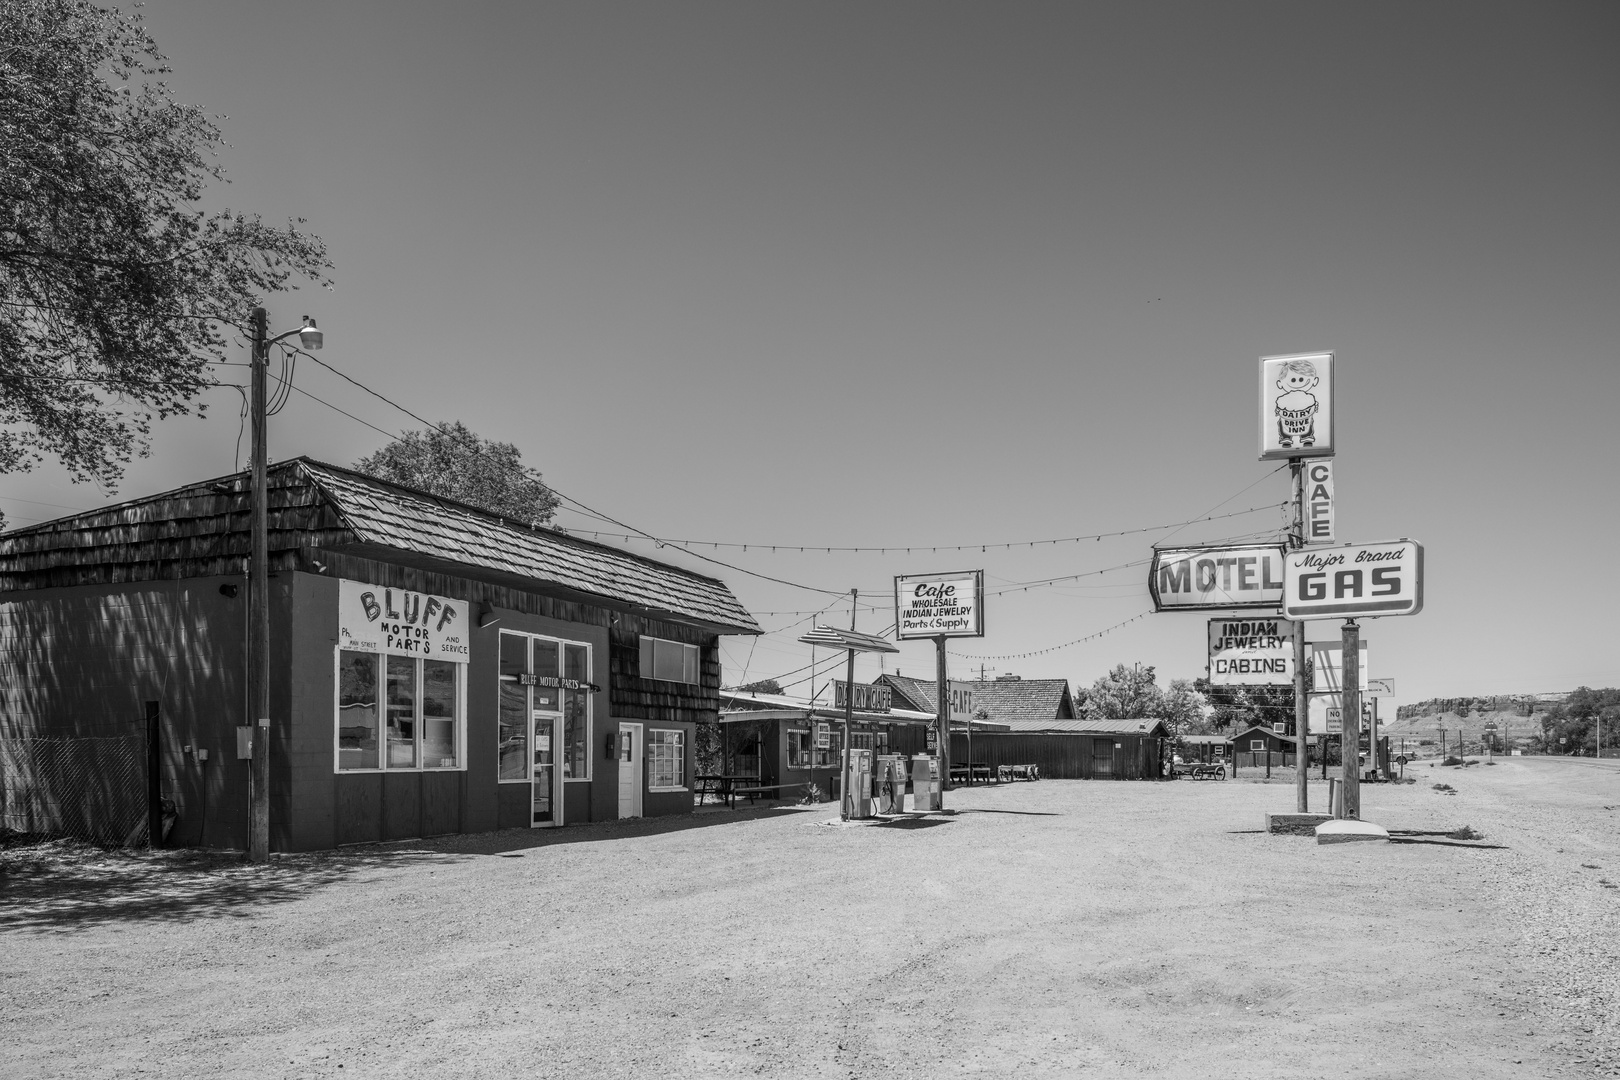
{"type": "Point", "coordinates": [1053, 648]}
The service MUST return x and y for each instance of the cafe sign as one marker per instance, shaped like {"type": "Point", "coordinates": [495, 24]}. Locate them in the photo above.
{"type": "Point", "coordinates": [402, 622]}
{"type": "Point", "coordinates": [1216, 578]}
{"type": "Point", "coordinates": [877, 699]}
{"type": "Point", "coordinates": [939, 605]}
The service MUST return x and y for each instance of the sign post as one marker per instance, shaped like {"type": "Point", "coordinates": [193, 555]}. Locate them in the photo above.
{"type": "Point", "coordinates": [1350, 745]}
{"type": "Point", "coordinates": [940, 606]}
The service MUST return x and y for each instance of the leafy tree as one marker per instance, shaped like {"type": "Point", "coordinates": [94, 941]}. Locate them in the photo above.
{"type": "Point", "coordinates": [1125, 693]}
{"type": "Point", "coordinates": [762, 686]}
{"type": "Point", "coordinates": [1236, 707]}
{"type": "Point", "coordinates": [1183, 708]}
{"type": "Point", "coordinates": [115, 287]}
{"type": "Point", "coordinates": [455, 463]}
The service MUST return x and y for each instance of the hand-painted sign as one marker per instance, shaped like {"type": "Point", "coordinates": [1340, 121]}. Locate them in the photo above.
{"type": "Point", "coordinates": [1296, 406]}
{"type": "Point", "coordinates": [867, 698]}
{"type": "Point", "coordinates": [1353, 580]}
{"type": "Point", "coordinates": [400, 622]}
{"type": "Point", "coordinates": [526, 679]}
{"type": "Point", "coordinates": [1216, 578]}
{"type": "Point", "coordinates": [1251, 652]}
{"type": "Point", "coordinates": [1378, 687]}
{"type": "Point", "coordinates": [1327, 667]}
{"type": "Point", "coordinates": [939, 605]}
{"type": "Point", "coordinates": [1319, 502]}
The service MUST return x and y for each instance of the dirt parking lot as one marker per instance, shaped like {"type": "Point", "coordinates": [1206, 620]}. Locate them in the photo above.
{"type": "Point", "coordinates": [1058, 928]}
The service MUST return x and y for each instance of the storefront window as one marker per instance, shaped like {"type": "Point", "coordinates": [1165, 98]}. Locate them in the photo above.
{"type": "Point", "coordinates": [666, 760]}
{"type": "Point", "coordinates": [830, 757]}
{"type": "Point", "coordinates": [514, 708]}
{"type": "Point", "coordinates": [798, 749]}
{"type": "Point", "coordinates": [357, 710]}
{"type": "Point", "coordinates": [542, 678]}
{"type": "Point", "coordinates": [419, 725]}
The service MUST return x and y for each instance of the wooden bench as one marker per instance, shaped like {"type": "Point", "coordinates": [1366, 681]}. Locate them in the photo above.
{"type": "Point", "coordinates": [754, 791]}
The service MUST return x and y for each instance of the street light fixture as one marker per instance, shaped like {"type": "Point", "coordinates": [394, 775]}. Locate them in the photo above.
{"type": "Point", "coordinates": [258, 666]}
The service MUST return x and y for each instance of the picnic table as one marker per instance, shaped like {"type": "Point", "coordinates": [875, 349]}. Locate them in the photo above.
{"type": "Point", "coordinates": [979, 771]}
{"type": "Point", "coordinates": [725, 788]}
{"type": "Point", "coordinates": [1009, 773]}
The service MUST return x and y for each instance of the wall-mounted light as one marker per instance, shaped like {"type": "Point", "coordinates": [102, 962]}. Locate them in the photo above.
{"type": "Point", "coordinates": [487, 616]}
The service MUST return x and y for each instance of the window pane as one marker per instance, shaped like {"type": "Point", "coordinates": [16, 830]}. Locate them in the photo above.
{"type": "Point", "coordinates": [666, 759]}
{"type": "Point", "coordinates": [668, 662]}
{"type": "Point", "coordinates": [646, 657]}
{"type": "Point", "coordinates": [575, 735]}
{"type": "Point", "coordinates": [357, 710]}
{"type": "Point", "coordinates": [575, 660]}
{"type": "Point", "coordinates": [514, 709]}
{"type": "Point", "coordinates": [689, 665]}
{"type": "Point", "coordinates": [401, 712]}
{"type": "Point", "coordinates": [545, 663]}
{"type": "Point", "coordinates": [439, 714]}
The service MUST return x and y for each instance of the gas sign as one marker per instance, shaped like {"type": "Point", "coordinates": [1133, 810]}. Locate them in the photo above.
{"type": "Point", "coordinates": [1354, 580]}
{"type": "Point", "coordinates": [1216, 578]}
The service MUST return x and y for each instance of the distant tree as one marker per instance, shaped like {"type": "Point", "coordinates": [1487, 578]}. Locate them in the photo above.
{"type": "Point", "coordinates": [115, 287]}
{"type": "Point", "coordinates": [1125, 693]}
{"type": "Point", "coordinates": [761, 686]}
{"type": "Point", "coordinates": [1183, 708]}
{"type": "Point", "coordinates": [1233, 708]}
{"type": "Point", "coordinates": [455, 463]}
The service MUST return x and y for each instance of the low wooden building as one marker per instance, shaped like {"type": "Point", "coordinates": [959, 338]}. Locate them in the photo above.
{"type": "Point", "coordinates": [435, 668]}
{"type": "Point", "coordinates": [1074, 749]}
{"type": "Point", "coordinates": [1252, 745]}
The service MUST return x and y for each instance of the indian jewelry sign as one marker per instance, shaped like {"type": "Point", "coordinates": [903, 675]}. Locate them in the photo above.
{"type": "Point", "coordinates": [939, 605]}
{"type": "Point", "coordinates": [400, 622]}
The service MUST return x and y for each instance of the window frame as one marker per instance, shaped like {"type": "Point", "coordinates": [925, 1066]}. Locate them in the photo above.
{"type": "Point", "coordinates": [382, 715]}
{"type": "Point", "coordinates": [647, 744]}
{"type": "Point", "coordinates": [647, 664]}
{"type": "Point", "coordinates": [558, 715]}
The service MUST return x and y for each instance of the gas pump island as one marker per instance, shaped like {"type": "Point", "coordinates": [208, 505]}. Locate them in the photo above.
{"type": "Point", "coordinates": [932, 606]}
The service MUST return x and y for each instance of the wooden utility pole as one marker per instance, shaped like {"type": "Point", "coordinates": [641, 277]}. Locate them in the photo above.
{"type": "Point", "coordinates": [1302, 711]}
{"type": "Point", "coordinates": [846, 801]}
{"type": "Point", "coordinates": [258, 667]}
{"type": "Point", "coordinates": [1350, 744]}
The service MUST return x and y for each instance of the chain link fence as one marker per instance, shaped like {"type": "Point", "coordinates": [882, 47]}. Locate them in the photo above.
{"type": "Point", "coordinates": [91, 788]}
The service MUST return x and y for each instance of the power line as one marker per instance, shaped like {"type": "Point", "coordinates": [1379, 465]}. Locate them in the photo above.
{"type": "Point", "coordinates": [1054, 648]}
{"type": "Point", "coordinates": [931, 548]}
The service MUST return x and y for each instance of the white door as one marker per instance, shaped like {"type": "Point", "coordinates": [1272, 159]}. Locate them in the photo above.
{"type": "Point", "coordinates": [629, 770]}
{"type": "Point", "coordinates": [546, 796]}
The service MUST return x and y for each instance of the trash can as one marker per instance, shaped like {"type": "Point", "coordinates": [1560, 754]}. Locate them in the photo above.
{"type": "Point", "coordinates": [925, 783]}
{"type": "Point", "coordinates": [858, 785]}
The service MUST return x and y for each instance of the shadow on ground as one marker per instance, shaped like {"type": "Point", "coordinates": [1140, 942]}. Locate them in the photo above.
{"type": "Point", "coordinates": [65, 884]}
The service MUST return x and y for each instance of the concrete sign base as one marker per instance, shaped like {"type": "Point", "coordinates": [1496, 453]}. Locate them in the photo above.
{"type": "Point", "coordinates": [1348, 831]}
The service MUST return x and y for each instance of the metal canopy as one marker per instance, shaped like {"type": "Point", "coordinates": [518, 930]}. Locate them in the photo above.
{"type": "Point", "coordinates": [833, 638]}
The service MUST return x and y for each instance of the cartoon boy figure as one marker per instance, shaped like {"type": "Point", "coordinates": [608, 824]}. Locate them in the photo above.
{"type": "Point", "coordinates": [1296, 406]}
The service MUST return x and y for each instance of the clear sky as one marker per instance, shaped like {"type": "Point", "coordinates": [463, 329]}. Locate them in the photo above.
{"type": "Point", "coordinates": [925, 274]}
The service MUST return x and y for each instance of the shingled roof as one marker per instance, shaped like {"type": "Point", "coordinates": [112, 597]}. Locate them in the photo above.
{"type": "Point", "coordinates": [202, 530]}
{"type": "Point", "coordinates": [1018, 702]}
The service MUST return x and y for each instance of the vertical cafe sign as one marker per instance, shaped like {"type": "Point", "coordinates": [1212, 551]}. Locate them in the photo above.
{"type": "Point", "coordinates": [1296, 406]}
{"type": "Point", "coordinates": [401, 622]}
{"type": "Point", "coordinates": [939, 605]}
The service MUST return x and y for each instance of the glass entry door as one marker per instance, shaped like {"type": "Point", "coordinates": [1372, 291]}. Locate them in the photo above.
{"type": "Point", "coordinates": [547, 793]}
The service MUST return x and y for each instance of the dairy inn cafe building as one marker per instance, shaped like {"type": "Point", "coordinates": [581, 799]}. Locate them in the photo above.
{"type": "Point", "coordinates": [434, 668]}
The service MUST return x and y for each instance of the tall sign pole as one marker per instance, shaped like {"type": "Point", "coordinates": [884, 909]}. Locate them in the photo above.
{"type": "Point", "coordinates": [258, 666]}
{"type": "Point", "coordinates": [944, 691]}
{"type": "Point", "coordinates": [1350, 741]}
{"type": "Point", "coordinates": [1302, 799]}
{"type": "Point", "coordinates": [846, 798]}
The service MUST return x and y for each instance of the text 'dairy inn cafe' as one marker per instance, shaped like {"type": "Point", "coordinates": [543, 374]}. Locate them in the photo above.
{"type": "Point", "coordinates": [434, 668]}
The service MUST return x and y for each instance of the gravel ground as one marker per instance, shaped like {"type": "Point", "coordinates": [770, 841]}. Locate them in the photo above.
{"type": "Point", "coordinates": [1060, 928]}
